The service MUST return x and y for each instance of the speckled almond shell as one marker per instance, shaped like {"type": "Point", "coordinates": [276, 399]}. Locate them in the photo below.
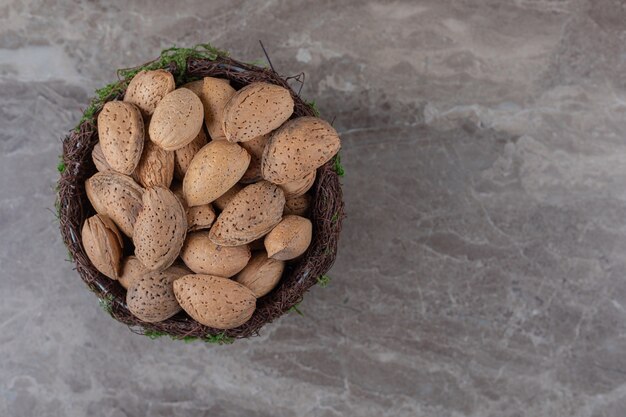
{"type": "Point", "coordinates": [177, 120]}
{"type": "Point", "coordinates": [256, 110]}
{"type": "Point", "coordinates": [200, 217]}
{"type": "Point", "coordinates": [121, 135]}
{"type": "Point", "coordinates": [151, 297]}
{"type": "Point", "coordinates": [299, 147]}
{"type": "Point", "coordinates": [255, 149]}
{"type": "Point", "coordinates": [160, 229]}
{"type": "Point", "coordinates": [117, 196]}
{"type": "Point", "coordinates": [103, 245]}
{"type": "Point", "coordinates": [216, 302]}
{"type": "Point", "coordinates": [148, 88]}
{"type": "Point", "coordinates": [289, 239]}
{"type": "Point", "coordinates": [215, 94]}
{"type": "Point", "coordinates": [130, 271]}
{"type": "Point", "coordinates": [205, 257]}
{"type": "Point", "coordinates": [261, 274]}
{"type": "Point", "coordinates": [252, 213]}
{"type": "Point", "coordinates": [184, 155]}
{"type": "Point", "coordinates": [298, 187]}
{"type": "Point", "coordinates": [156, 167]}
{"type": "Point", "coordinates": [99, 160]}
{"type": "Point", "coordinates": [195, 86]}
{"type": "Point", "coordinates": [215, 168]}
{"type": "Point", "coordinates": [222, 201]}
{"type": "Point", "coordinates": [298, 206]}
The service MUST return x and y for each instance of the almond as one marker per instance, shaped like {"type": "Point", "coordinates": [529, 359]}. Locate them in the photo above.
{"type": "Point", "coordinates": [289, 239]}
{"type": "Point", "coordinates": [103, 245]}
{"type": "Point", "coordinates": [216, 302]}
{"type": "Point", "coordinates": [215, 168]}
{"type": "Point", "coordinates": [148, 88]}
{"type": "Point", "coordinates": [184, 155]}
{"type": "Point", "coordinates": [205, 257]}
{"type": "Point", "coordinates": [131, 271]}
{"type": "Point", "coordinates": [121, 134]}
{"type": "Point", "coordinates": [299, 147]}
{"type": "Point", "coordinates": [195, 86]}
{"type": "Point", "coordinates": [215, 94]}
{"type": "Point", "coordinates": [222, 201]}
{"type": "Point", "coordinates": [298, 206]}
{"type": "Point", "coordinates": [198, 217]}
{"type": "Point", "coordinates": [298, 187]}
{"type": "Point", "coordinates": [256, 110]}
{"type": "Point", "coordinates": [156, 167]}
{"type": "Point", "coordinates": [177, 120]}
{"type": "Point", "coordinates": [261, 274]}
{"type": "Point", "coordinates": [151, 297]}
{"type": "Point", "coordinates": [255, 149]}
{"type": "Point", "coordinates": [99, 160]}
{"type": "Point", "coordinates": [160, 229]}
{"type": "Point", "coordinates": [252, 213]}
{"type": "Point", "coordinates": [116, 196]}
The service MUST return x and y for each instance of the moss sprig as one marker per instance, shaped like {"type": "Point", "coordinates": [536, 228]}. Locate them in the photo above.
{"type": "Point", "coordinates": [219, 339]}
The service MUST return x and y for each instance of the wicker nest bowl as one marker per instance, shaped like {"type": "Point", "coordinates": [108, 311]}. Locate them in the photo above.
{"type": "Point", "coordinates": [326, 212]}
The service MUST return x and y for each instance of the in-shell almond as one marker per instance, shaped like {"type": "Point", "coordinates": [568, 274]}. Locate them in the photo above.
{"type": "Point", "coordinates": [289, 239]}
{"type": "Point", "coordinates": [205, 257]}
{"type": "Point", "coordinates": [177, 120]}
{"type": "Point", "coordinates": [198, 217]}
{"type": "Point", "coordinates": [103, 245]}
{"type": "Point", "coordinates": [255, 149]}
{"type": "Point", "coordinates": [117, 196]}
{"type": "Point", "coordinates": [148, 88]}
{"type": "Point", "coordinates": [252, 213]}
{"type": "Point", "coordinates": [184, 155]}
{"type": "Point", "coordinates": [298, 187]}
{"type": "Point", "coordinates": [151, 297]}
{"type": "Point", "coordinates": [156, 167]}
{"type": "Point", "coordinates": [215, 94]}
{"type": "Point", "coordinates": [299, 147]}
{"type": "Point", "coordinates": [298, 206]}
{"type": "Point", "coordinates": [195, 86]}
{"type": "Point", "coordinates": [256, 110]}
{"type": "Point", "coordinates": [121, 134]}
{"type": "Point", "coordinates": [99, 160]}
{"type": "Point", "coordinates": [130, 271]}
{"type": "Point", "coordinates": [261, 274]}
{"type": "Point", "coordinates": [160, 229]}
{"type": "Point", "coordinates": [216, 302]}
{"type": "Point", "coordinates": [222, 201]}
{"type": "Point", "coordinates": [215, 168]}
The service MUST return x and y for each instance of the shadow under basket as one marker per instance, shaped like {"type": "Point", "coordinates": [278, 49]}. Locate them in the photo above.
{"type": "Point", "coordinates": [74, 208]}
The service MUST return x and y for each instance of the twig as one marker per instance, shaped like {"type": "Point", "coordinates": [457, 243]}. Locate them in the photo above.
{"type": "Point", "coordinates": [267, 56]}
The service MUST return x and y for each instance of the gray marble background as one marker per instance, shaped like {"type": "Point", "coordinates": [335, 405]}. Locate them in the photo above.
{"type": "Point", "coordinates": [482, 266]}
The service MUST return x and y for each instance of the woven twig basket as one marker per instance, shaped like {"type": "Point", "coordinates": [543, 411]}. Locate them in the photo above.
{"type": "Point", "coordinates": [74, 207]}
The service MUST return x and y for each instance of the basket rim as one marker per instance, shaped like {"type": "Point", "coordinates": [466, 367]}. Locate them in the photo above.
{"type": "Point", "coordinates": [327, 207]}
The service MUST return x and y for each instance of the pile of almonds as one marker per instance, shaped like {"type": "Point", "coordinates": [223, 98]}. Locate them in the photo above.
{"type": "Point", "coordinates": [210, 217]}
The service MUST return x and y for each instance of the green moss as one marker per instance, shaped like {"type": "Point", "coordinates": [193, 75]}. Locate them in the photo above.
{"type": "Point", "coordinates": [313, 107]}
{"type": "Point", "coordinates": [106, 303]}
{"type": "Point", "coordinates": [323, 281]}
{"type": "Point", "coordinates": [220, 338]}
{"type": "Point", "coordinates": [337, 164]}
{"type": "Point", "coordinates": [294, 309]}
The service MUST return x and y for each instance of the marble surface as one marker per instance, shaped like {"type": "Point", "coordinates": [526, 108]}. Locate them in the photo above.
{"type": "Point", "coordinates": [482, 268]}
